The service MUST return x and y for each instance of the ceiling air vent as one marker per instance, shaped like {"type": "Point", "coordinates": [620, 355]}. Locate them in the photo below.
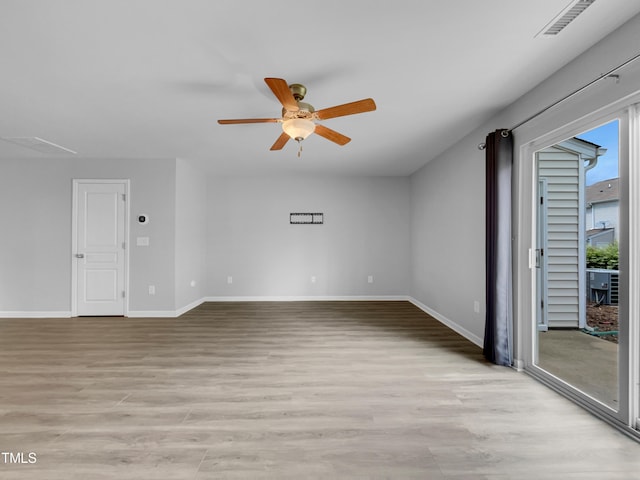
{"type": "Point", "coordinates": [38, 144]}
{"type": "Point", "coordinates": [564, 18]}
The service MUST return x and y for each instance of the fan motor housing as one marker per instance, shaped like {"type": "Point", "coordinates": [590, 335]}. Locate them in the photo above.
{"type": "Point", "coordinates": [298, 91]}
{"type": "Point", "coordinates": [306, 110]}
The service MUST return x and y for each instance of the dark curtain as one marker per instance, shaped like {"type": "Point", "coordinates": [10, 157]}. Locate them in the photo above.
{"type": "Point", "coordinates": [499, 319]}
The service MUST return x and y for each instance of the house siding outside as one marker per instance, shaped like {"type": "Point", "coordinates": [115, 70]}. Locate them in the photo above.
{"type": "Point", "coordinates": [562, 171]}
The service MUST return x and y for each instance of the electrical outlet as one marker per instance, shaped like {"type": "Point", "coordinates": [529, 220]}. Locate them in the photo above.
{"type": "Point", "coordinates": [229, 280]}
{"type": "Point", "coordinates": [313, 279]}
{"type": "Point", "coordinates": [476, 306]}
{"type": "Point", "coordinates": [152, 289]}
{"type": "Point", "coordinates": [370, 279]}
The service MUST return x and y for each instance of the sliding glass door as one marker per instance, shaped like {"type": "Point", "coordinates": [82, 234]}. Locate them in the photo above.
{"type": "Point", "coordinates": [585, 265]}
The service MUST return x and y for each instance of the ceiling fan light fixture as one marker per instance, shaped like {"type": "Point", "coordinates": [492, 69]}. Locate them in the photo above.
{"type": "Point", "coordinates": [298, 128]}
{"type": "Point", "coordinates": [298, 117]}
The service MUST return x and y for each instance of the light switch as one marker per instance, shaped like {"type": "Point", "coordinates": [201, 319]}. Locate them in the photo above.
{"type": "Point", "coordinates": [142, 241]}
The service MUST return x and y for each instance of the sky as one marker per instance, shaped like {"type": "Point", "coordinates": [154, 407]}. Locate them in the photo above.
{"type": "Point", "coordinates": [607, 167]}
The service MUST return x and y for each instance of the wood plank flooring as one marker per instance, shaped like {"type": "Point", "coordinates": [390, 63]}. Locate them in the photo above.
{"type": "Point", "coordinates": [290, 390]}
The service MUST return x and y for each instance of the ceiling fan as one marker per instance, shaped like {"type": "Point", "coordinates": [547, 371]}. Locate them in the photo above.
{"type": "Point", "coordinates": [299, 118]}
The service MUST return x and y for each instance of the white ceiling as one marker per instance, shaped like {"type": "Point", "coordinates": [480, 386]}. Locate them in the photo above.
{"type": "Point", "coordinates": [149, 78]}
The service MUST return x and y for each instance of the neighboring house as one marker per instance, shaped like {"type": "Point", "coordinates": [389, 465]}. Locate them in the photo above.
{"type": "Point", "coordinates": [561, 231]}
{"type": "Point", "coordinates": [602, 212]}
{"type": "Point", "coordinates": [601, 237]}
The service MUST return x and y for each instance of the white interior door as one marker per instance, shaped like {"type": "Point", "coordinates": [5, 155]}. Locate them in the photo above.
{"type": "Point", "coordinates": [99, 247]}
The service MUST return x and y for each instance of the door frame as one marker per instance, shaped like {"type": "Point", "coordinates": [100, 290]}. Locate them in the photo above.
{"type": "Point", "coordinates": [633, 258]}
{"type": "Point", "coordinates": [542, 265]}
{"type": "Point", "coordinates": [76, 182]}
{"type": "Point", "coordinates": [627, 418]}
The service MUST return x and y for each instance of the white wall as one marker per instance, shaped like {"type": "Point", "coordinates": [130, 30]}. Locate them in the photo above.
{"type": "Point", "coordinates": [365, 232]}
{"type": "Point", "coordinates": [447, 238]}
{"type": "Point", "coordinates": [35, 245]}
{"type": "Point", "coordinates": [190, 235]}
{"type": "Point", "coordinates": [422, 235]}
{"type": "Point", "coordinates": [448, 192]}
{"type": "Point", "coordinates": [203, 231]}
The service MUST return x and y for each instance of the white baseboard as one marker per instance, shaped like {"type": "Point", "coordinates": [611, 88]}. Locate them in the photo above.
{"type": "Point", "coordinates": [472, 337]}
{"type": "Point", "coordinates": [165, 313]}
{"type": "Point", "coordinates": [293, 298]}
{"type": "Point", "coordinates": [194, 304]}
{"type": "Point", "coordinates": [151, 314]}
{"type": "Point", "coordinates": [191, 306]}
{"type": "Point", "coordinates": [518, 364]}
{"type": "Point", "coordinates": [36, 314]}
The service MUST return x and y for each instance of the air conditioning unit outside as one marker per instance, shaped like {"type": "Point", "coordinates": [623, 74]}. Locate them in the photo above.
{"type": "Point", "coordinates": [602, 286]}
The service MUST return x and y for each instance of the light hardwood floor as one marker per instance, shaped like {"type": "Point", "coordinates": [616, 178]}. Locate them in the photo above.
{"type": "Point", "coordinates": [290, 390]}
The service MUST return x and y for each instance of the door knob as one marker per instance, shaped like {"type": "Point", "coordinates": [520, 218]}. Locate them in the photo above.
{"type": "Point", "coordinates": [79, 255]}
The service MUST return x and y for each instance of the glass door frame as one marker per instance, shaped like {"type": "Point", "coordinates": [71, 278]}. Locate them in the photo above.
{"type": "Point", "coordinates": [627, 112]}
{"type": "Point", "coordinates": [633, 277]}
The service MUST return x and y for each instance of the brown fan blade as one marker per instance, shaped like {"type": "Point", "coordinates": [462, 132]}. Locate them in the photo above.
{"type": "Point", "coordinates": [281, 90]}
{"type": "Point", "coordinates": [248, 120]}
{"type": "Point", "coordinates": [361, 106]}
{"type": "Point", "coordinates": [331, 135]}
{"type": "Point", "coordinates": [281, 141]}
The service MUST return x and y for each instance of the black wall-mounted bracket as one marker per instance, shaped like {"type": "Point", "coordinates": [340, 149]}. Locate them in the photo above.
{"type": "Point", "coordinates": [306, 218]}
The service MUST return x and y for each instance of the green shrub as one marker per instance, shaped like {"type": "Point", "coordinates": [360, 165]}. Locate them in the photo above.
{"type": "Point", "coordinates": [603, 257]}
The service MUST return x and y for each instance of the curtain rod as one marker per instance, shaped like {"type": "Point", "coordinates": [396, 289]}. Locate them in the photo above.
{"type": "Point", "coordinates": [610, 73]}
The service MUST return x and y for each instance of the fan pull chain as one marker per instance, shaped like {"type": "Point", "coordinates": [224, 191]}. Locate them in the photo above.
{"type": "Point", "coordinates": [300, 150]}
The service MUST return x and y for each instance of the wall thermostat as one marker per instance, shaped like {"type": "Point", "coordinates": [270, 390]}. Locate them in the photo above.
{"type": "Point", "coordinates": [143, 218]}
